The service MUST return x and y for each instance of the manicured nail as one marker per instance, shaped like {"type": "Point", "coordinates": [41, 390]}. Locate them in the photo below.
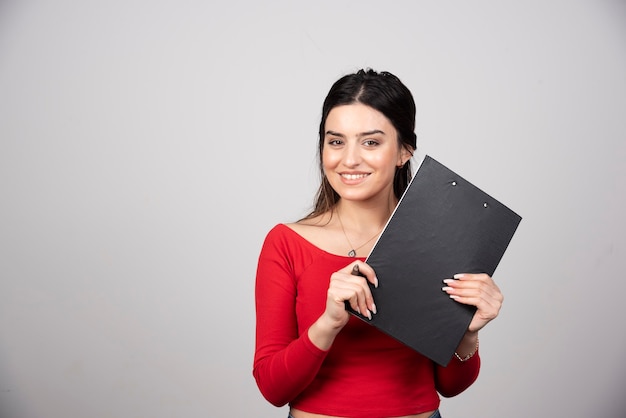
{"type": "Point", "coordinates": [374, 309]}
{"type": "Point", "coordinates": [369, 315]}
{"type": "Point", "coordinates": [448, 281]}
{"type": "Point", "coordinates": [453, 296]}
{"type": "Point", "coordinates": [376, 282]}
{"type": "Point", "coordinates": [446, 288]}
{"type": "Point", "coordinates": [458, 276]}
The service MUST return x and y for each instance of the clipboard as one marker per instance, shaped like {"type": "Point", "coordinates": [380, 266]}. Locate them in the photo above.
{"type": "Point", "coordinates": [442, 225]}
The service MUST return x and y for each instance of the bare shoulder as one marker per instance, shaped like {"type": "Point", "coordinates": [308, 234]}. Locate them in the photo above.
{"type": "Point", "coordinates": [310, 228]}
{"type": "Point", "coordinates": [321, 231]}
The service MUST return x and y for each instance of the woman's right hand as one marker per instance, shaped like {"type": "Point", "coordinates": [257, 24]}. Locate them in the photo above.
{"type": "Point", "coordinates": [350, 285]}
{"type": "Point", "coordinates": [346, 285]}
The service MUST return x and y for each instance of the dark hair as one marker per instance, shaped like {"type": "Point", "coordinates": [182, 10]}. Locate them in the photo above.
{"type": "Point", "coordinates": [384, 92]}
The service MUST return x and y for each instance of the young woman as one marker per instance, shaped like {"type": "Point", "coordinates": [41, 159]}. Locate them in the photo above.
{"type": "Point", "coordinates": [310, 352]}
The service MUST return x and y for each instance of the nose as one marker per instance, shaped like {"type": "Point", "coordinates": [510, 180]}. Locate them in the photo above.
{"type": "Point", "coordinates": [352, 155]}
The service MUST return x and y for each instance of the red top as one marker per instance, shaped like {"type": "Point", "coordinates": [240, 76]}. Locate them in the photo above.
{"type": "Point", "coordinates": [365, 374]}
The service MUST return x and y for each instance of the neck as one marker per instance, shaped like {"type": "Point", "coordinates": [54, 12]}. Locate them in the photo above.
{"type": "Point", "coordinates": [364, 216]}
{"type": "Point", "coordinates": [363, 224]}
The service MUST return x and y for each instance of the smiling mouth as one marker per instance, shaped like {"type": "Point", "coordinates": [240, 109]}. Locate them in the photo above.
{"type": "Point", "coordinates": [348, 176]}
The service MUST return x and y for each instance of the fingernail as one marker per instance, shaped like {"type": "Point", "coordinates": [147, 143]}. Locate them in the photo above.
{"type": "Point", "coordinates": [369, 315]}
{"type": "Point", "coordinates": [374, 309]}
{"type": "Point", "coordinates": [448, 281]}
{"type": "Point", "coordinates": [376, 282]}
{"type": "Point", "coordinates": [453, 296]}
{"type": "Point", "coordinates": [458, 276]}
{"type": "Point", "coordinates": [446, 288]}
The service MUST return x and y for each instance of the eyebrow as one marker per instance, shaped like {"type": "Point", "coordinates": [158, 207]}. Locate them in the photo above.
{"type": "Point", "coordinates": [366, 133]}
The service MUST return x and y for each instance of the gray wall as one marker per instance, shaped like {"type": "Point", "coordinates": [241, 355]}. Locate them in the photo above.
{"type": "Point", "coordinates": [146, 147]}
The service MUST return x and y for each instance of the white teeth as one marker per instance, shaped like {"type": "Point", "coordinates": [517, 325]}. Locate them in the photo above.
{"type": "Point", "coordinates": [353, 176]}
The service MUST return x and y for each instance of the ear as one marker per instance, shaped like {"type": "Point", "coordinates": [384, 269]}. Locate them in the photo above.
{"type": "Point", "coordinates": [405, 155]}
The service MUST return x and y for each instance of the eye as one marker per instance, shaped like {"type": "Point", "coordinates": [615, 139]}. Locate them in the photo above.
{"type": "Point", "coordinates": [371, 143]}
{"type": "Point", "coordinates": [334, 141]}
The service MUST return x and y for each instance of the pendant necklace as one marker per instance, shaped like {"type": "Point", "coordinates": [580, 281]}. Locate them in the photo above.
{"type": "Point", "coordinates": [352, 252]}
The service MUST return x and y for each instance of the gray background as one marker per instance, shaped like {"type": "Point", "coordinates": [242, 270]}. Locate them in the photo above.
{"type": "Point", "coordinates": [146, 148]}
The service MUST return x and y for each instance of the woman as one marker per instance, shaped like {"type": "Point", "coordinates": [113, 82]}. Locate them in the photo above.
{"type": "Point", "coordinates": [310, 352]}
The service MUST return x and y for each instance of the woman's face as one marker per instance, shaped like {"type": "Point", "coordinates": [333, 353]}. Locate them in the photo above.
{"type": "Point", "coordinates": [361, 152]}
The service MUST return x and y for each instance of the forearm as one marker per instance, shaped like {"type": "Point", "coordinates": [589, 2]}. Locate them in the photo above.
{"type": "Point", "coordinates": [282, 375]}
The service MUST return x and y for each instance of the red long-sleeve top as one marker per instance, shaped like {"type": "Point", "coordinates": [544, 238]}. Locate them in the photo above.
{"type": "Point", "coordinates": [365, 374]}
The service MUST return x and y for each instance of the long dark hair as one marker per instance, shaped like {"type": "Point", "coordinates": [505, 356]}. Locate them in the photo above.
{"type": "Point", "coordinates": [384, 92]}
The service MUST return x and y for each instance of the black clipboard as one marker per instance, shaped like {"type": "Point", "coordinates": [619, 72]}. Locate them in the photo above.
{"type": "Point", "coordinates": [442, 225]}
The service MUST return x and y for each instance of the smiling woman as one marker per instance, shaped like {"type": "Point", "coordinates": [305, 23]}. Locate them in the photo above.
{"type": "Point", "coordinates": [310, 352]}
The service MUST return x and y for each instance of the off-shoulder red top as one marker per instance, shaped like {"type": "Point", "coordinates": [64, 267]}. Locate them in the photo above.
{"type": "Point", "coordinates": [365, 374]}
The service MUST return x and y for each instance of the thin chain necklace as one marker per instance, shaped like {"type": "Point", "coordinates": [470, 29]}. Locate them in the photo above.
{"type": "Point", "coordinates": [352, 252]}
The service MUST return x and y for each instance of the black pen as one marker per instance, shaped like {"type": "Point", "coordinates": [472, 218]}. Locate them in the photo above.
{"type": "Point", "coordinates": [357, 272]}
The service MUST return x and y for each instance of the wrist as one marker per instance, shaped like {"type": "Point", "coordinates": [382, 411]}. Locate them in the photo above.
{"type": "Point", "coordinates": [323, 332]}
{"type": "Point", "coordinates": [471, 336]}
{"type": "Point", "coordinates": [468, 346]}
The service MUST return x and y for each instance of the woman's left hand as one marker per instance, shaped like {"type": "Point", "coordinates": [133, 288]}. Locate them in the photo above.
{"type": "Point", "coordinates": [478, 290]}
